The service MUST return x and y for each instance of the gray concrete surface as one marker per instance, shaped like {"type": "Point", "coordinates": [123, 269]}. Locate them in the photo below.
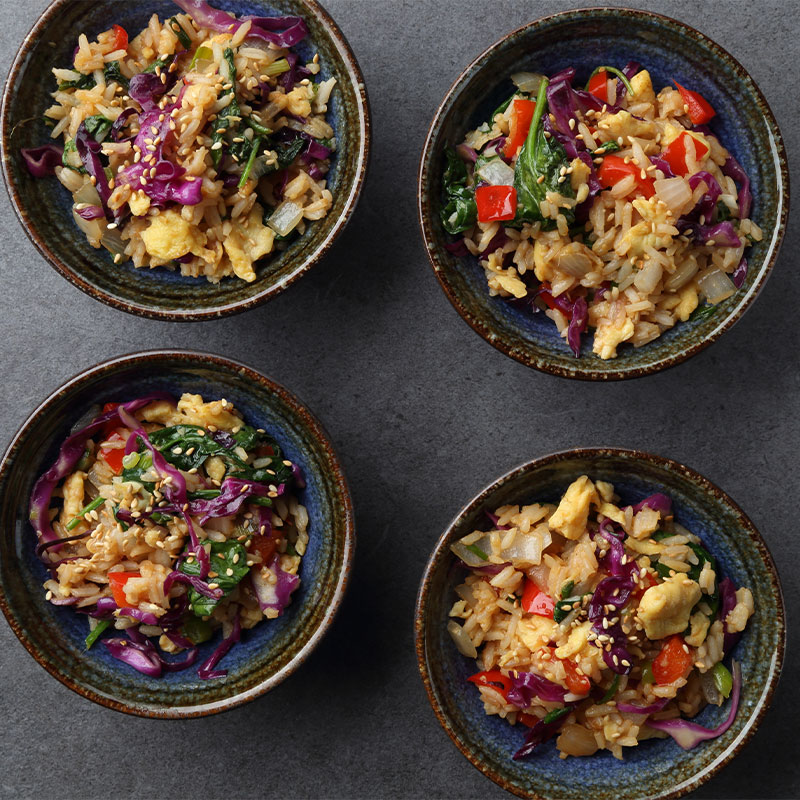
{"type": "Point", "coordinates": [424, 414]}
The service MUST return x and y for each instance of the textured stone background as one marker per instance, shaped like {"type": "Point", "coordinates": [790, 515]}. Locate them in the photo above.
{"type": "Point", "coordinates": [424, 414]}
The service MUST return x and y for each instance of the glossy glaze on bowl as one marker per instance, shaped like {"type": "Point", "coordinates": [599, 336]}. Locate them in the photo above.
{"type": "Point", "coordinates": [268, 653]}
{"type": "Point", "coordinates": [583, 39]}
{"type": "Point", "coordinates": [44, 205]}
{"type": "Point", "coordinates": [656, 768]}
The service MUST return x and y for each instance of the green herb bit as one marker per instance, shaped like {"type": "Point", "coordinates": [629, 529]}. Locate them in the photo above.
{"type": "Point", "coordinates": [197, 630]}
{"type": "Point", "coordinates": [163, 63]}
{"type": "Point", "coordinates": [176, 28]}
{"type": "Point", "coordinates": [290, 551]}
{"type": "Point", "coordinates": [289, 154]}
{"type": "Point", "coordinates": [610, 692]}
{"type": "Point", "coordinates": [556, 714]}
{"type": "Point", "coordinates": [473, 548]}
{"type": "Point", "coordinates": [460, 211]}
{"type": "Point", "coordinates": [257, 127]}
{"type": "Point", "coordinates": [201, 54]}
{"type": "Point", "coordinates": [276, 68]}
{"type": "Point", "coordinates": [702, 312]}
{"type": "Point", "coordinates": [112, 74]}
{"type": "Point", "coordinates": [250, 161]}
{"type": "Point", "coordinates": [647, 673]}
{"type": "Point", "coordinates": [84, 82]}
{"type": "Point", "coordinates": [606, 148]}
{"type": "Point", "coordinates": [566, 589]}
{"type": "Point", "coordinates": [723, 679]}
{"type": "Point", "coordinates": [95, 634]}
{"type": "Point", "coordinates": [75, 521]}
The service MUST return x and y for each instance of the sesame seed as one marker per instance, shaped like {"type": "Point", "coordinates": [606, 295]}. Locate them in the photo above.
{"type": "Point", "coordinates": [213, 585]}
{"type": "Point", "coordinates": [117, 258]}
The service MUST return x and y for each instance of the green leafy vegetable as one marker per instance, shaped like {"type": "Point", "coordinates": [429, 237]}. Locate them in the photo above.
{"type": "Point", "coordinates": [176, 28]}
{"type": "Point", "coordinates": [723, 679]}
{"type": "Point", "coordinates": [72, 160]}
{"type": "Point", "coordinates": [723, 212]}
{"type": "Point", "coordinates": [277, 67]}
{"type": "Point", "coordinates": [329, 143]}
{"type": "Point", "coordinates": [460, 211]}
{"type": "Point", "coordinates": [84, 82]}
{"type": "Point", "coordinates": [229, 562]}
{"type": "Point", "coordinates": [97, 632]}
{"type": "Point", "coordinates": [112, 74]}
{"type": "Point", "coordinates": [556, 714]}
{"type": "Point", "coordinates": [567, 588]}
{"type": "Point", "coordinates": [201, 54]}
{"type": "Point", "coordinates": [228, 118]}
{"type": "Point", "coordinates": [289, 153]}
{"type": "Point", "coordinates": [250, 161]}
{"type": "Point", "coordinates": [257, 127]}
{"type": "Point", "coordinates": [538, 170]}
{"type": "Point", "coordinates": [163, 63]}
{"type": "Point", "coordinates": [606, 148]}
{"type": "Point", "coordinates": [564, 607]}
{"type": "Point", "coordinates": [76, 520]}
{"type": "Point", "coordinates": [98, 127]}
{"type": "Point", "coordinates": [473, 548]}
{"type": "Point", "coordinates": [702, 312]}
{"type": "Point", "coordinates": [647, 673]}
{"type": "Point", "coordinates": [610, 692]}
{"type": "Point", "coordinates": [197, 630]}
{"type": "Point", "coordinates": [503, 107]}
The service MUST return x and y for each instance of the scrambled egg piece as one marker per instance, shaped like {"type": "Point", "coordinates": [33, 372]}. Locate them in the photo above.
{"type": "Point", "coordinates": [191, 410]}
{"type": "Point", "coordinates": [642, 87]}
{"type": "Point", "coordinates": [640, 236]}
{"type": "Point", "coordinates": [645, 522]}
{"type": "Point", "coordinates": [139, 204]}
{"type": "Point", "coordinates": [297, 102]}
{"type": "Point", "coordinates": [665, 609]}
{"type": "Point", "coordinates": [687, 303]}
{"type": "Point", "coordinates": [536, 631]}
{"type": "Point", "coordinates": [578, 639]}
{"type": "Point", "coordinates": [700, 624]}
{"type": "Point", "coordinates": [612, 512]}
{"type": "Point", "coordinates": [170, 236]}
{"type": "Point", "coordinates": [573, 511]}
{"type": "Point", "coordinates": [248, 242]}
{"type": "Point", "coordinates": [609, 334]}
{"type": "Point", "coordinates": [625, 124]}
{"type": "Point", "coordinates": [73, 499]}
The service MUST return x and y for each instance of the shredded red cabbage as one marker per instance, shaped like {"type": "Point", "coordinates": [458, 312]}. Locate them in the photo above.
{"type": "Point", "coordinates": [91, 212]}
{"type": "Point", "coordinates": [196, 582]}
{"type": "Point", "coordinates": [658, 502]}
{"type": "Point", "coordinates": [144, 617]}
{"type": "Point", "coordinates": [280, 31]}
{"type": "Point", "coordinates": [690, 734]}
{"type": "Point", "coordinates": [653, 708]}
{"type": "Point", "coordinates": [233, 493]}
{"type": "Point", "coordinates": [740, 274]}
{"type": "Point", "coordinates": [147, 89]}
{"type": "Point", "coordinates": [119, 123]}
{"type": "Point", "coordinates": [727, 593]}
{"type": "Point", "coordinates": [613, 592]}
{"type": "Point", "coordinates": [467, 153]}
{"type": "Point", "coordinates": [42, 161]}
{"type": "Point", "coordinates": [577, 325]}
{"type": "Point", "coordinates": [497, 241]}
{"type": "Point", "coordinates": [457, 248]}
{"type": "Point", "coordinates": [142, 658]}
{"type": "Point", "coordinates": [662, 164]}
{"type": "Point", "coordinates": [708, 202]}
{"type": "Point", "coordinates": [104, 608]}
{"type": "Point", "coordinates": [495, 520]}
{"type": "Point", "coordinates": [89, 151]}
{"type": "Point", "coordinates": [274, 595]}
{"type": "Point", "coordinates": [733, 169]}
{"type": "Point", "coordinates": [540, 733]}
{"type": "Point", "coordinates": [207, 671]}
{"type": "Point", "coordinates": [722, 234]}
{"type": "Point", "coordinates": [527, 685]}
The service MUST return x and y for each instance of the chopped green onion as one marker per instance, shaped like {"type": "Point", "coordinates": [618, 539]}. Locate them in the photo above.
{"type": "Point", "coordinates": [201, 54]}
{"type": "Point", "coordinates": [613, 71]}
{"type": "Point", "coordinates": [610, 692]}
{"type": "Point", "coordinates": [250, 161]}
{"type": "Point", "coordinates": [723, 679]}
{"type": "Point", "coordinates": [257, 127]}
{"type": "Point", "coordinates": [196, 630]}
{"type": "Point", "coordinates": [176, 28]}
{"type": "Point", "coordinates": [557, 714]}
{"type": "Point", "coordinates": [565, 607]}
{"type": "Point", "coordinates": [277, 67]}
{"type": "Point", "coordinates": [95, 634]}
{"type": "Point", "coordinates": [204, 494]}
{"type": "Point", "coordinates": [566, 589]}
{"type": "Point", "coordinates": [473, 548]}
{"type": "Point", "coordinates": [76, 520]}
{"type": "Point", "coordinates": [130, 460]}
{"type": "Point", "coordinates": [647, 673]}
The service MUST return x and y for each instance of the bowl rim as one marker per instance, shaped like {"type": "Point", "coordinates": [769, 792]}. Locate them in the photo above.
{"type": "Point", "coordinates": [441, 551]}
{"type": "Point", "coordinates": [352, 68]}
{"type": "Point", "coordinates": [197, 359]}
{"type": "Point", "coordinates": [542, 362]}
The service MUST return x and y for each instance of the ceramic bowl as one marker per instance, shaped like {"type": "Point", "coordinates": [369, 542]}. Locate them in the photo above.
{"type": "Point", "coordinates": [44, 207]}
{"type": "Point", "coordinates": [268, 653]}
{"type": "Point", "coordinates": [657, 768]}
{"type": "Point", "coordinates": [583, 39]}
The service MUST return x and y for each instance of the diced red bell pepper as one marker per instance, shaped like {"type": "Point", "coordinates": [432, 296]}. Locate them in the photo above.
{"type": "Point", "coordinates": [535, 601]}
{"type": "Point", "coordinates": [117, 581]}
{"type": "Point", "coordinates": [120, 37]}
{"type": "Point", "coordinates": [673, 661]}
{"type": "Point", "coordinates": [265, 545]}
{"type": "Point", "coordinates": [491, 678]}
{"type": "Point", "coordinates": [675, 153]}
{"type": "Point", "coordinates": [521, 116]}
{"type": "Point", "coordinates": [598, 86]}
{"type": "Point", "coordinates": [576, 682]}
{"type": "Point", "coordinates": [496, 203]}
{"type": "Point", "coordinates": [700, 110]}
{"type": "Point", "coordinates": [529, 720]}
{"type": "Point", "coordinates": [614, 169]}
{"type": "Point", "coordinates": [113, 455]}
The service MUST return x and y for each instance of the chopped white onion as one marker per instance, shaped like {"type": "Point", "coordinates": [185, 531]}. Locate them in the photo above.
{"type": "Point", "coordinates": [324, 90]}
{"type": "Point", "coordinates": [716, 286]}
{"type": "Point", "coordinates": [526, 549]}
{"type": "Point", "coordinates": [648, 276]}
{"type": "Point", "coordinates": [461, 639]}
{"type": "Point", "coordinates": [685, 272]}
{"type": "Point", "coordinates": [527, 82]}
{"type": "Point", "coordinates": [86, 194]}
{"type": "Point", "coordinates": [69, 178]}
{"type": "Point", "coordinates": [464, 591]}
{"type": "Point", "coordinates": [497, 173]}
{"type": "Point", "coordinates": [285, 218]}
{"type": "Point", "coordinates": [91, 227]}
{"type": "Point", "coordinates": [675, 193]}
{"type": "Point", "coordinates": [469, 556]}
{"type": "Point", "coordinates": [574, 263]}
{"type": "Point", "coordinates": [112, 241]}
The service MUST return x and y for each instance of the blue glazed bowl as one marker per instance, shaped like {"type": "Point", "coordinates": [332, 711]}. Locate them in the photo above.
{"type": "Point", "coordinates": [44, 207]}
{"type": "Point", "coordinates": [583, 39]}
{"type": "Point", "coordinates": [267, 653]}
{"type": "Point", "coordinates": [656, 768]}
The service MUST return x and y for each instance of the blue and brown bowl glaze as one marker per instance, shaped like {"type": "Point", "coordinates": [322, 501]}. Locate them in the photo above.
{"type": "Point", "coordinates": [268, 653]}
{"type": "Point", "coordinates": [657, 768]}
{"type": "Point", "coordinates": [44, 205]}
{"type": "Point", "coordinates": [585, 38]}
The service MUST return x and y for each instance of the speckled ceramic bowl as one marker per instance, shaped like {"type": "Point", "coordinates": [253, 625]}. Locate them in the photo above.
{"type": "Point", "coordinates": [44, 205]}
{"type": "Point", "coordinates": [268, 653]}
{"type": "Point", "coordinates": [657, 768]}
{"type": "Point", "coordinates": [584, 39]}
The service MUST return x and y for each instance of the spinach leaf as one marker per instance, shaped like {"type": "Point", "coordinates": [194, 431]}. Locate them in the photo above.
{"type": "Point", "coordinates": [503, 107]}
{"type": "Point", "coordinates": [84, 82]}
{"type": "Point", "coordinates": [142, 465]}
{"type": "Point", "coordinates": [460, 211]}
{"type": "Point", "coordinates": [229, 117]}
{"type": "Point", "coordinates": [538, 170]}
{"type": "Point", "coordinates": [702, 312]}
{"type": "Point", "coordinates": [606, 148]}
{"type": "Point", "coordinates": [98, 127]}
{"type": "Point", "coordinates": [230, 571]}
{"type": "Point", "coordinates": [112, 74]}
{"type": "Point", "coordinates": [197, 630]}
{"type": "Point", "coordinates": [289, 153]}
{"type": "Point", "coordinates": [72, 160]}
{"type": "Point", "coordinates": [164, 63]}
{"type": "Point", "coordinates": [564, 607]}
{"type": "Point", "coordinates": [183, 37]}
{"type": "Point", "coordinates": [566, 589]}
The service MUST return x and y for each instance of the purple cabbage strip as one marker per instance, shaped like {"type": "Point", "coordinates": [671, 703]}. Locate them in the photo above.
{"type": "Point", "coordinates": [63, 601]}
{"type": "Point", "coordinates": [538, 734]}
{"type": "Point", "coordinates": [495, 520]}
{"type": "Point", "coordinates": [119, 123]}
{"type": "Point", "coordinates": [91, 212]}
{"type": "Point", "coordinates": [104, 608]}
{"type": "Point", "coordinates": [577, 325]}
{"type": "Point", "coordinates": [89, 151]}
{"type": "Point", "coordinates": [467, 153]}
{"type": "Point", "coordinates": [658, 502]}
{"type": "Point", "coordinates": [690, 734]}
{"type": "Point", "coordinates": [722, 234]}
{"type": "Point", "coordinates": [224, 438]}
{"type": "Point", "coordinates": [733, 169]}
{"type": "Point", "coordinates": [70, 453]}
{"type": "Point", "coordinates": [653, 708]}
{"type": "Point", "coordinates": [197, 583]}
{"type": "Point", "coordinates": [138, 656]}
{"type": "Point", "coordinates": [708, 202]}
{"type": "Point", "coordinates": [662, 164]}
{"type": "Point", "coordinates": [42, 546]}
{"type": "Point", "coordinates": [207, 671]}
{"type": "Point", "coordinates": [147, 89]}
{"type": "Point", "coordinates": [234, 493]}
{"type": "Point", "coordinates": [497, 241]}
{"type": "Point", "coordinates": [144, 617]}
{"type": "Point", "coordinates": [727, 593]}
{"type": "Point", "coordinates": [615, 592]}
{"type": "Point", "coordinates": [294, 74]}
{"type": "Point", "coordinates": [42, 161]}
{"type": "Point", "coordinates": [527, 685]}
{"type": "Point", "coordinates": [457, 248]}
{"type": "Point", "coordinates": [280, 31]}
{"type": "Point", "coordinates": [740, 274]}
{"type": "Point", "coordinates": [276, 595]}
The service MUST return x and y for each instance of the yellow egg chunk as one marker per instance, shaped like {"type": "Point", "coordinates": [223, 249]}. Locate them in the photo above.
{"type": "Point", "coordinates": [170, 236]}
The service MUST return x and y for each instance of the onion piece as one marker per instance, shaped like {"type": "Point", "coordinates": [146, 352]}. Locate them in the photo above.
{"type": "Point", "coordinates": [716, 286]}
{"type": "Point", "coordinates": [285, 218]}
{"type": "Point", "coordinates": [675, 193]}
{"type": "Point", "coordinates": [526, 549]}
{"type": "Point", "coordinates": [496, 172]}
{"type": "Point", "coordinates": [461, 639]}
{"type": "Point", "coordinates": [324, 90]}
{"type": "Point", "coordinates": [91, 227]}
{"type": "Point", "coordinates": [527, 82]}
{"type": "Point", "coordinates": [468, 553]}
{"type": "Point", "coordinates": [573, 262]}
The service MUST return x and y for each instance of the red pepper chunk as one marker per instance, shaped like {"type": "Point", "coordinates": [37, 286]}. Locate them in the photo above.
{"type": "Point", "coordinates": [673, 662]}
{"type": "Point", "coordinates": [535, 601]}
{"type": "Point", "coordinates": [577, 683]}
{"type": "Point", "coordinates": [675, 153]}
{"type": "Point", "coordinates": [490, 678]}
{"type": "Point", "coordinates": [521, 116]}
{"type": "Point", "coordinates": [614, 169]}
{"type": "Point", "coordinates": [598, 86]}
{"type": "Point", "coordinates": [496, 203]}
{"type": "Point", "coordinates": [121, 37]}
{"type": "Point", "coordinates": [700, 110]}
{"type": "Point", "coordinates": [117, 581]}
{"type": "Point", "coordinates": [113, 455]}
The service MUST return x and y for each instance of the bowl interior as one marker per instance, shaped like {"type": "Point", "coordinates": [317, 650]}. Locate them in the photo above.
{"type": "Point", "coordinates": [655, 768]}
{"type": "Point", "coordinates": [268, 652]}
{"type": "Point", "coordinates": [45, 206]}
{"type": "Point", "coordinates": [584, 40]}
